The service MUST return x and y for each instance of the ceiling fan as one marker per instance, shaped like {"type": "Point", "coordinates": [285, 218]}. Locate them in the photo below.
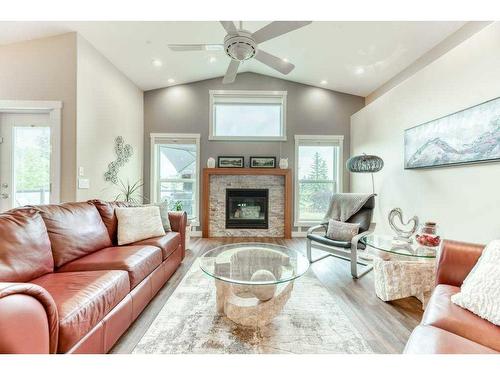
{"type": "Point", "coordinates": [240, 45]}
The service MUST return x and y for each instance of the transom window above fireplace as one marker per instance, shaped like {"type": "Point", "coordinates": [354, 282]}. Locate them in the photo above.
{"type": "Point", "coordinates": [247, 115]}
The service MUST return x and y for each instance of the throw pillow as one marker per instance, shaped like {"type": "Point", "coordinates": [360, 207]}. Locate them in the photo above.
{"type": "Point", "coordinates": [341, 231]}
{"type": "Point", "coordinates": [480, 292]}
{"type": "Point", "coordinates": [164, 216]}
{"type": "Point", "coordinates": [138, 223]}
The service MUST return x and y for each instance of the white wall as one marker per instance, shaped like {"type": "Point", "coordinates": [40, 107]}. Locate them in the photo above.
{"type": "Point", "coordinates": [464, 200]}
{"type": "Point", "coordinates": [108, 105]}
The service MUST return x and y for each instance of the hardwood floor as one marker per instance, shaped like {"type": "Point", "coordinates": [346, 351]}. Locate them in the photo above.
{"type": "Point", "coordinates": [385, 326]}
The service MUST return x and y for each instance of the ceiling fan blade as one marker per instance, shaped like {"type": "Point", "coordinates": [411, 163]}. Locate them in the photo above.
{"type": "Point", "coordinates": [274, 62]}
{"type": "Point", "coordinates": [277, 28]}
{"type": "Point", "coordinates": [229, 26]}
{"type": "Point", "coordinates": [232, 70]}
{"type": "Point", "coordinates": [196, 47]}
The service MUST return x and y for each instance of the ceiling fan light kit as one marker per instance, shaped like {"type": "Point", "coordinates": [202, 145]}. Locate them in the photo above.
{"type": "Point", "coordinates": [241, 45]}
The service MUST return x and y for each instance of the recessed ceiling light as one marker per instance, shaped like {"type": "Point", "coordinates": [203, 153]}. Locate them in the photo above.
{"type": "Point", "coordinates": [285, 59]}
{"type": "Point", "coordinates": [359, 70]}
{"type": "Point", "coordinates": [171, 80]}
{"type": "Point", "coordinates": [156, 62]}
{"type": "Point", "coordinates": [324, 82]}
{"type": "Point", "coordinates": [212, 59]}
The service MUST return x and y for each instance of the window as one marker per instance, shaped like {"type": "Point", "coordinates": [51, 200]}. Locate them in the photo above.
{"type": "Point", "coordinates": [247, 115]}
{"type": "Point", "coordinates": [318, 174]}
{"type": "Point", "coordinates": [175, 171]}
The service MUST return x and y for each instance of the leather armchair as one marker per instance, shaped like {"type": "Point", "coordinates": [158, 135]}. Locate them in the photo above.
{"type": "Point", "coordinates": [29, 321]}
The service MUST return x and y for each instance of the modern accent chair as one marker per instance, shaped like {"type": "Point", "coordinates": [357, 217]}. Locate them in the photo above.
{"type": "Point", "coordinates": [342, 249]}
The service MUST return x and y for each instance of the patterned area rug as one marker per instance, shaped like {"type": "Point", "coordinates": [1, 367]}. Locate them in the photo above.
{"type": "Point", "coordinates": [312, 321]}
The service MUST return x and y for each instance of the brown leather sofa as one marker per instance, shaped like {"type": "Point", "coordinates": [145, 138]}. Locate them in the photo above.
{"type": "Point", "coordinates": [447, 328]}
{"type": "Point", "coordinates": [65, 285]}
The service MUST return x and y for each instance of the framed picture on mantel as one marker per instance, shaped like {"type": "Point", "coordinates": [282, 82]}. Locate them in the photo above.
{"type": "Point", "coordinates": [262, 162]}
{"type": "Point", "coordinates": [231, 161]}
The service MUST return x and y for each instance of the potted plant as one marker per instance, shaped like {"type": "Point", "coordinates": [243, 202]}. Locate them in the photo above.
{"type": "Point", "coordinates": [130, 193]}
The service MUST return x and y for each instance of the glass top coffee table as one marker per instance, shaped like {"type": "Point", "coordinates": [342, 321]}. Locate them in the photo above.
{"type": "Point", "coordinates": [253, 280]}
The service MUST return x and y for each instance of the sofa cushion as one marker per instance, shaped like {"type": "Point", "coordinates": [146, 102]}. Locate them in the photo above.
{"type": "Point", "coordinates": [83, 299]}
{"type": "Point", "coordinates": [168, 243]}
{"type": "Point", "coordinates": [444, 314]}
{"type": "Point", "coordinates": [138, 261]}
{"type": "Point", "coordinates": [75, 230]}
{"type": "Point", "coordinates": [432, 340]}
{"type": "Point", "coordinates": [107, 212]}
{"type": "Point", "coordinates": [24, 246]}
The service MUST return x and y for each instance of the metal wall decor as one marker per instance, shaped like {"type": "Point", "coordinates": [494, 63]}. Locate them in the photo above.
{"type": "Point", "coordinates": [402, 234]}
{"type": "Point", "coordinates": [123, 154]}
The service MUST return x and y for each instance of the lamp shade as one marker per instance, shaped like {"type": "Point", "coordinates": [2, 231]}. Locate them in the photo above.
{"type": "Point", "coordinates": [364, 164]}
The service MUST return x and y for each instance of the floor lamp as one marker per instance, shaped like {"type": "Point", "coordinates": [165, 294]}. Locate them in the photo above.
{"type": "Point", "coordinates": [365, 164]}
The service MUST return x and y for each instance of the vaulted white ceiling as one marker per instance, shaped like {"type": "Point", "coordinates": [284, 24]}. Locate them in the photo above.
{"type": "Point", "coordinates": [352, 57]}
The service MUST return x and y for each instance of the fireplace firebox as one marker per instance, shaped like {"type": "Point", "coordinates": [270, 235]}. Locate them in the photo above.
{"type": "Point", "coordinates": [247, 208]}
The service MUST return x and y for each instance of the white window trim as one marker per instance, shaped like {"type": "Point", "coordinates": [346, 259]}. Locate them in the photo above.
{"type": "Point", "coordinates": [154, 167]}
{"type": "Point", "coordinates": [249, 94]}
{"type": "Point", "coordinates": [328, 139]}
{"type": "Point", "coordinates": [54, 109]}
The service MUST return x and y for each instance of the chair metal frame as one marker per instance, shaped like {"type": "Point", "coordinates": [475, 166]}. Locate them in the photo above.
{"type": "Point", "coordinates": [341, 253]}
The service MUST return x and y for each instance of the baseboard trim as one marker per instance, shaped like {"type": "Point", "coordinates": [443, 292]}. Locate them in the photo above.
{"type": "Point", "coordinates": [196, 233]}
{"type": "Point", "coordinates": [199, 233]}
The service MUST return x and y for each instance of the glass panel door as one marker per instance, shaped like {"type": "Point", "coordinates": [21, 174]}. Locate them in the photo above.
{"type": "Point", "coordinates": [31, 165]}
{"type": "Point", "coordinates": [177, 171]}
{"type": "Point", "coordinates": [25, 160]}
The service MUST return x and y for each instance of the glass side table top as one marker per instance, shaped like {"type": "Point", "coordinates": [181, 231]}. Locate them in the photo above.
{"type": "Point", "coordinates": [241, 263]}
{"type": "Point", "coordinates": [389, 244]}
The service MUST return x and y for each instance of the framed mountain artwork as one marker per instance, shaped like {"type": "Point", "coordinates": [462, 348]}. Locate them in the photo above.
{"type": "Point", "coordinates": [468, 136]}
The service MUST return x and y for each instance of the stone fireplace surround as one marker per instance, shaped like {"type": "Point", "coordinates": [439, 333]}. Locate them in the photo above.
{"type": "Point", "coordinates": [217, 180]}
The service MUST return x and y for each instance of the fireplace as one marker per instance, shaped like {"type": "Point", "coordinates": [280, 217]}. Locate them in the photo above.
{"type": "Point", "coordinates": [247, 208]}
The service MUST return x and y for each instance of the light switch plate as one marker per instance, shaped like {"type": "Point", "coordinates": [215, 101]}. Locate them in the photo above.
{"type": "Point", "coordinates": [81, 171]}
{"type": "Point", "coordinates": [83, 183]}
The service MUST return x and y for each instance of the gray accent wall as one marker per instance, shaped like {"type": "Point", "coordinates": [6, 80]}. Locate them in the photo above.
{"type": "Point", "coordinates": [185, 109]}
